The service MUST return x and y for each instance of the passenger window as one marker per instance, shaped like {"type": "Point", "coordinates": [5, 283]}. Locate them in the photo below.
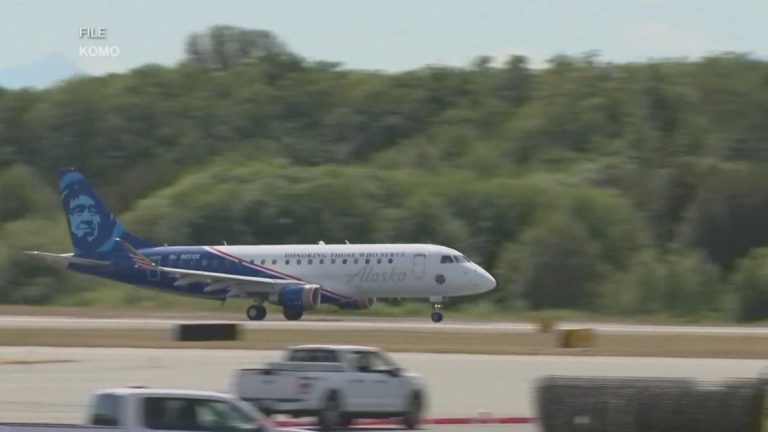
{"type": "Point", "coordinates": [298, 261]}
{"type": "Point", "coordinates": [313, 355]}
{"type": "Point", "coordinates": [378, 364]}
{"type": "Point", "coordinates": [263, 262]}
{"type": "Point", "coordinates": [287, 262]}
{"type": "Point", "coordinates": [446, 259]}
{"type": "Point", "coordinates": [309, 262]}
{"type": "Point", "coordinates": [378, 261]}
{"type": "Point", "coordinates": [389, 260]}
{"type": "Point", "coordinates": [204, 262]}
{"type": "Point", "coordinates": [363, 361]}
{"type": "Point", "coordinates": [106, 411]}
{"type": "Point", "coordinates": [372, 362]}
{"type": "Point", "coordinates": [322, 261]}
{"type": "Point", "coordinates": [367, 261]}
{"type": "Point", "coordinates": [274, 261]}
{"type": "Point", "coordinates": [356, 260]}
{"type": "Point", "coordinates": [182, 414]}
{"type": "Point", "coordinates": [344, 261]}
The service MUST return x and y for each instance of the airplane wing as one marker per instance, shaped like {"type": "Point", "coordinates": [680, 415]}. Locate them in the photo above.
{"type": "Point", "coordinates": [236, 284]}
{"type": "Point", "coordinates": [62, 260]}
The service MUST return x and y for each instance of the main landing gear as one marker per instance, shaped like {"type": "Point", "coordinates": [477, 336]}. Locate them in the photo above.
{"type": "Point", "coordinates": [256, 312]}
{"type": "Point", "coordinates": [293, 314]}
{"type": "Point", "coordinates": [437, 314]}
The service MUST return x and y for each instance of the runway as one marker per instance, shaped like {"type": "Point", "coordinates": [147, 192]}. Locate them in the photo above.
{"type": "Point", "coordinates": [458, 384]}
{"type": "Point", "coordinates": [320, 323]}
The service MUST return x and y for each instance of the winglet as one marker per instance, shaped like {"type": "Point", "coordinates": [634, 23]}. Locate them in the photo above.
{"type": "Point", "coordinates": [139, 260]}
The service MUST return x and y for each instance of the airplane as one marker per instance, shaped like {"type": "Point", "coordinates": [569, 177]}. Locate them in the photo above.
{"type": "Point", "coordinates": [295, 277]}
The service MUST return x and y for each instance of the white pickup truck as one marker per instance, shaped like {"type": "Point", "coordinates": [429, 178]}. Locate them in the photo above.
{"type": "Point", "coordinates": [154, 410]}
{"type": "Point", "coordinates": [336, 384]}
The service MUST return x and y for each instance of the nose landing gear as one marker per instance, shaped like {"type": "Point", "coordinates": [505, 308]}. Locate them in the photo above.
{"type": "Point", "coordinates": [437, 314]}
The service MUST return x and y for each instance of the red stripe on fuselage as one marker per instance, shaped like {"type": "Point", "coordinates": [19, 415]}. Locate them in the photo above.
{"type": "Point", "coordinates": [252, 265]}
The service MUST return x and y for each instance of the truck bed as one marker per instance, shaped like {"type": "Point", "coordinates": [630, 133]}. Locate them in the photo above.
{"type": "Point", "coordinates": [299, 367]}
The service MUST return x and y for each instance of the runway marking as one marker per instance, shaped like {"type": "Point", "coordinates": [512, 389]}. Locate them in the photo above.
{"type": "Point", "coordinates": [20, 321]}
{"type": "Point", "coordinates": [427, 421]}
{"type": "Point", "coordinates": [6, 362]}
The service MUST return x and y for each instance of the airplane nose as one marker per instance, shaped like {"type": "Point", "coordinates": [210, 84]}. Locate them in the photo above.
{"type": "Point", "coordinates": [489, 281]}
{"type": "Point", "coordinates": [485, 282]}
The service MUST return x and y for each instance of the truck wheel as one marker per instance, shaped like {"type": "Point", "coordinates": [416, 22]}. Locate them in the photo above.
{"type": "Point", "coordinates": [331, 417]}
{"type": "Point", "coordinates": [412, 415]}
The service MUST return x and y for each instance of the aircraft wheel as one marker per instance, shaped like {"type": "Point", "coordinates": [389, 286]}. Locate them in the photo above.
{"type": "Point", "coordinates": [437, 317]}
{"type": "Point", "coordinates": [256, 312]}
{"type": "Point", "coordinates": [293, 314]}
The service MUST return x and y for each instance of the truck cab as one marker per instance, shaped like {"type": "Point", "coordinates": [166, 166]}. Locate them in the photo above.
{"type": "Point", "coordinates": [152, 410]}
{"type": "Point", "coordinates": [156, 410]}
{"type": "Point", "coordinates": [336, 384]}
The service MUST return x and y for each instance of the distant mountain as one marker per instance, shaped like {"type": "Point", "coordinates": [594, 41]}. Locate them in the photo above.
{"type": "Point", "coordinates": [38, 74]}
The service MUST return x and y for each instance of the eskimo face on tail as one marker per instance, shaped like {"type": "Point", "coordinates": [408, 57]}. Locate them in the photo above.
{"type": "Point", "coordinates": [91, 226]}
{"type": "Point", "coordinates": [84, 218]}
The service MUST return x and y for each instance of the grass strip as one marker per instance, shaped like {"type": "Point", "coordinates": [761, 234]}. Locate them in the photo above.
{"type": "Point", "coordinates": [643, 345]}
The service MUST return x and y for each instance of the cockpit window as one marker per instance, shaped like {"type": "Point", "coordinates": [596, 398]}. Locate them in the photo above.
{"type": "Point", "coordinates": [461, 259]}
{"type": "Point", "coordinates": [446, 259]}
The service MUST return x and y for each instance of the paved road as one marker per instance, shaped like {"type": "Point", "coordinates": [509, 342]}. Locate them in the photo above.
{"type": "Point", "coordinates": [459, 384]}
{"type": "Point", "coordinates": [21, 321]}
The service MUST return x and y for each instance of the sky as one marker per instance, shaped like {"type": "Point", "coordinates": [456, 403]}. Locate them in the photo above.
{"type": "Point", "coordinates": [41, 37]}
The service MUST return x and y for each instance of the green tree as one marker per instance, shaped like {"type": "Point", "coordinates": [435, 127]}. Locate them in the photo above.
{"type": "Point", "coordinates": [226, 46]}
{"type": "Point", "coordinates": [730, 215]}
{"type": "Point", "coordinates": [561, 266]}
{"type": "Point", "coordinates": [24, 194]}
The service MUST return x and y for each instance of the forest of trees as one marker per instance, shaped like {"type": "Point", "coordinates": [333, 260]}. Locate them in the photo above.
{"type": "Point", "coordinates": [627, 189]}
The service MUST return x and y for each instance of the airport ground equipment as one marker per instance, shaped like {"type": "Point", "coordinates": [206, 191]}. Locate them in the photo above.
{"type": "Point", "coordinates": [150, 410]}
{"type": "Point", "coordinates": [203, 332]}
{"type": "Point", "coordinates": [336, 384]}
{"type": "Point", "coordinates": [610, 404]}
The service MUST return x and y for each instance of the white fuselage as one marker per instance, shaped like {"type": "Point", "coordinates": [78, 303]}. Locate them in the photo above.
{"type": "Point", "coordinates": [372, 270]}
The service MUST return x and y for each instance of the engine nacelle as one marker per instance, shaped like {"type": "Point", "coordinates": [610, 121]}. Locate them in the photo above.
{"type": "Point", "coordinates": [305, 297]}
{"type": "Point", "coordinates": [360, 303]}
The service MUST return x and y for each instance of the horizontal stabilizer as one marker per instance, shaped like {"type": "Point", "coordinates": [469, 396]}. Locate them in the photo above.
{"type": "Point", "coordinates": [139, 260]}
{"type": "Point", "coordinates": [62, 260]}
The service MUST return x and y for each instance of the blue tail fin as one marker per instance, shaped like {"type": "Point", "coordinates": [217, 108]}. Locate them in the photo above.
{"type": "Point", "coordinates": [92, 227]}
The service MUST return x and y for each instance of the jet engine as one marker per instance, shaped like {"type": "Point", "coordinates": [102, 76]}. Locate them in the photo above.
{"type": "Point", "coordinates": [305, 297]}
{"type": "Point", "coordinates": [360, 303]}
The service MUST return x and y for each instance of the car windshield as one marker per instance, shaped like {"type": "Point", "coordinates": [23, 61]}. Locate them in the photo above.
{"type": "Point", "coordinates": [176, 413]}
